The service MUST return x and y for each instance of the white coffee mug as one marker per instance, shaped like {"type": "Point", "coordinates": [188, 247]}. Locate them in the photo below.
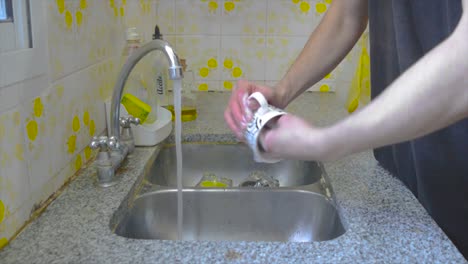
{"type": "Point", "coordinates": [262, 116]}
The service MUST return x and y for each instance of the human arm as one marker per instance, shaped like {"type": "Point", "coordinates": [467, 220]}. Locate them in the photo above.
{"type": "Point", "coordinates": [337, 33]}
{"type": "Point", "coordinates": [430, 95]}
{"type": "Point", "coordinates": [334, 37]}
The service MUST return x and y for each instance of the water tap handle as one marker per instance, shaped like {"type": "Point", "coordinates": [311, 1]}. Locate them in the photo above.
{"type": "Point", "coordinates": [103, 143]}
{"type": "Point", "coordinates": [126, 122]}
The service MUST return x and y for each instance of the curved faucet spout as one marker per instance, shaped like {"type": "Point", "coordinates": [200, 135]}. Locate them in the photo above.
{"type": "Point", "coordinates": [175, 73]}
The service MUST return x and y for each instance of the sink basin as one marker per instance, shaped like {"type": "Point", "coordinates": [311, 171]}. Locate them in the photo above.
{"type": "Point", "coordinates": [302, 209]}
{"type": "Point", "coordinates": [231, 161]}
{"type": "Point", "coordinates": [235, 215]}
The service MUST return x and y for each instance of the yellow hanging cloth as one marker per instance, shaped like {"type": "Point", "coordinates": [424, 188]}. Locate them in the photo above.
{"type": "Point", "coordinates": [359, 91]}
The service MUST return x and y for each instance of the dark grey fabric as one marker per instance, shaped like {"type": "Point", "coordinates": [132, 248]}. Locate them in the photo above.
{"type": "Point", "coordinates": [434, 167]}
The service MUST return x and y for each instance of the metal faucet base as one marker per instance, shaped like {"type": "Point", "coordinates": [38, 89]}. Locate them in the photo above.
{"type": "Point", "coordinates": [107, 184]}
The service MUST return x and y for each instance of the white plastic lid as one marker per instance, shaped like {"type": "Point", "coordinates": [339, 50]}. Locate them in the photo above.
{"type": "Point", "coordinates": [132, 34]}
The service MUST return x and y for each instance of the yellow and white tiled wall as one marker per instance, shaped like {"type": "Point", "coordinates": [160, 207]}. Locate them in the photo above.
{"type": "Point", "coordinates": [44, 133]}
{"type": "Point", "coordinates": [224, 41]}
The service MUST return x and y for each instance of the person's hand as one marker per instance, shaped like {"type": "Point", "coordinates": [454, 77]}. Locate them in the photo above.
{"type": "Point", "coordinates": [293, 138]}
{"type": "Point", "coordinates": [239, 111]}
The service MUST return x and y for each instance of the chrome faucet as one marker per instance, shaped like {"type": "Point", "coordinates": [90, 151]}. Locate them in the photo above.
{"type": "Point", "coordinates": [114, 149]}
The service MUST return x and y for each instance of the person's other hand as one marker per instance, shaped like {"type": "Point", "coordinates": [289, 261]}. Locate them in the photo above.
{"type": "Point", "coordinates": [239, 111]}
{"type": "Point", "coordinates": [293, 138]}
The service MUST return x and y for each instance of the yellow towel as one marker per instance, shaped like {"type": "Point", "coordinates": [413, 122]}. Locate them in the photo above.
{"type": "Point", "coordinates": [359, 92]}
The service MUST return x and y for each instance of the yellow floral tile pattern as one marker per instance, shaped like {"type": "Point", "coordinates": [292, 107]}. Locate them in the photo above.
{"type": "Point", "coordinates": [243, 57]}
{"type": "Point", "coordinates": [44, 137]}
{"type": "Point", "coordinates": [202, 55]}
{"type": "Point", "coordinates": [294, 18]}
{"type": "Point", "coordinates": [78, 41]}
{"type": "Point", "coordinates": [198, 17]}
{"type": "Point", "coordinates": [13, 170]}
{"type": "Point", "coordinates": [14, 181]}
{"type": "Point", "coordinates": [241, 33]}
{"type": "Point", "coordinates": [166, 16]}
{"type": "Point", "coordinates": [243, 17]}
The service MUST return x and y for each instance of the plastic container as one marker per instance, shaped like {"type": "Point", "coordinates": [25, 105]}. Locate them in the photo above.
{"type": "Point", "coordinates": [145, 134]}
{"type": "Point", "coordinates": [152, 134]}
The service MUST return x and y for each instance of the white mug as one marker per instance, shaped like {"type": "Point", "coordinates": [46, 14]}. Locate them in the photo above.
{"type": "Point", "coordinates": [262, 116]}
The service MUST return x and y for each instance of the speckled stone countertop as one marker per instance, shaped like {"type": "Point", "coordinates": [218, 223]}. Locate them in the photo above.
{"type": "Point", "coordinates": [384, 221]}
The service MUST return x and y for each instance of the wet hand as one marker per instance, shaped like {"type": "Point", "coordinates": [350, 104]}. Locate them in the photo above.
{"type": "Point", "coordinates": [293, 138]}
{"type": "Point", "coordinates": [239, 110]}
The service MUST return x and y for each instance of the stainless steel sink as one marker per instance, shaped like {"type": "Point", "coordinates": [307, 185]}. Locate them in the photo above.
{"type": "Point", "coordinates": [302, 209]}
{"type": "Point", "coordinates": [231, 161]}
{"type": "Point", "coordinates": [241, 215]}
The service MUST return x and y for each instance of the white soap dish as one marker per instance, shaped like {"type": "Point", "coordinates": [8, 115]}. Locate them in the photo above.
{"type": "Point", "coordinates": [152, 134]}
{"type": "Point", "coordinates": [146, 134]}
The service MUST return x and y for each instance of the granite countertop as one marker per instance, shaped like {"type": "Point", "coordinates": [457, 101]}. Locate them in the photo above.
{"type": "Point", "coordinates": [384, 221]}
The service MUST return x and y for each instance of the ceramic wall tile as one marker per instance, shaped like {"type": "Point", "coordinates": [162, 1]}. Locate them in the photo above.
{"type": "Point", "coordinates": [243, 17]}
{"type": "Point", "coordinates": [11, 96]}
{"type": "Point", "coordinates": [166, 16]}
{"type": "Point", "coordinates": [243, 57]}
{"type": "Point", "coordinates": [339, 80]}
{"type": "Point", "coordinates": [281, 52]}
{"type": "Point", "coordinates": [83, 108]}
{"type": "Point", "coordinates": [38, 137]}
{"type": "Point", "coordinates": [14, 182]}
{"type": "Point", "coordinates": [103, 77]}
{"type": "Point", "coordinates": [104, 33]}
{"type": "Point", "coordinates": [202, 55]}
{"type": "Point", "coordinates": [15, 202]}
{"type": "Point", "coordinates": [81, 33]}
{"type": "Point", "coordinates": [80, 161]}
{"type": "Point", "coordinates": [278, 30]}
{"type": "Point", "coordinates": [141, 14]}
{"type": "Point", "coordinates": [198, 17]}
{"type": "Point", "coordinates": [227, 85]}
{"type": "Point", "coordinates": [205, 85]}
{"type": "Point", "coordinates": [14, 221]}
{"type": "Point", "coordinates": [72, 112]}
{"type": "Point", "coordinates": [324, 86]}
{"type": "Point", "coordinates": [61, 38]}
{"type": "Point", "coordinates": [172, 41]}
{"type": "Point", "coordinates": [294, 17]}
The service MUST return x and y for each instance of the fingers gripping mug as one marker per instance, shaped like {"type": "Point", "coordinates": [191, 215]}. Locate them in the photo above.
{"type": "Point", "coordinates": [261, 120]}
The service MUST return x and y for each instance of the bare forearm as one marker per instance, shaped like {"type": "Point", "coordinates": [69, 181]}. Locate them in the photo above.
{"type": "Point", "coordinates": [337, 33]}
{"type": "Point", "coordinates": [429, 96]}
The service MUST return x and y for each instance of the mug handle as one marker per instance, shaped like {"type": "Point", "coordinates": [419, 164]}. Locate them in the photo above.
{"type": "Point", "coordinates": [261, 100]}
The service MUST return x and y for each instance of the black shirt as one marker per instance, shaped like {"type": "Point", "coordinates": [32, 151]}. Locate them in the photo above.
{"type": "Point", "coordinates": [434, 167]}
